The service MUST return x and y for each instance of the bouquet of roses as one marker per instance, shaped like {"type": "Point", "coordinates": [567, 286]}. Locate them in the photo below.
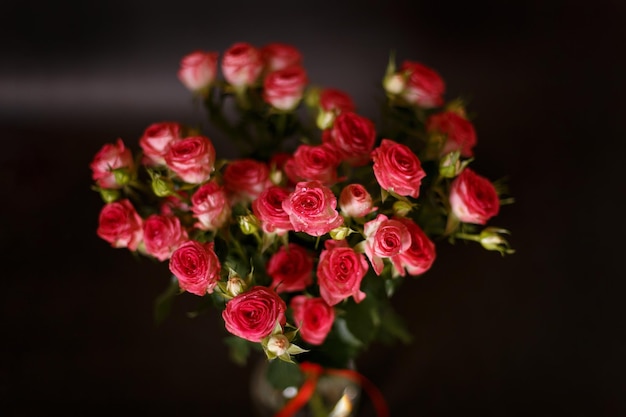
{"type": "Point", "coordinates": [303, 237]}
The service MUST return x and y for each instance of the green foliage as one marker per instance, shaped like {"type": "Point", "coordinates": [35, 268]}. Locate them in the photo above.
{"type": "Point", "coordinates": [163, 303]}
{"type": "Point", "coordinates": [283, 374]}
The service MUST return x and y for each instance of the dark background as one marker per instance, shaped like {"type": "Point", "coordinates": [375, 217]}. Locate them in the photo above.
{"type": "Point", "coordinates": [539, 333]}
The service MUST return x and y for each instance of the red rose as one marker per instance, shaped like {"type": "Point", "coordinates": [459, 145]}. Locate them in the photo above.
{"type": "Point", "coordinates": [252, 315]}
{"type": "Point", "coordinates": [156, 140]}
{"type": "Point", "coordinates": [278, 56]}
{"type": "Point", "coordinates": [340, 271]}
{"type": "Point", "coordinates": [268, 208]}
{"type": "Point", "coordinates": [355, 201]}
{"type": "Point", "coordinates": [245, 179]}
{"type": "Point", "coordinates": [331, 103]}
{"type": "Point", "coordinates": [314, 163]}
{"type": "Point", "coordinates": [291, 269]}
{"type": "Point", "coordinates": [198, 70]}
{"type": "Point", "coordinates": [424, 87]}
{"type": "Point", "coordinates": [473, 199]}
{"type": "Point", "coordinates": [191, 158]}
{"type": "Point", "coordinates": [419, 257]}
{"type": "Point", "coordinates": [354, 136]}
{"type": "Point", "coordinates": [210, 206]}
{"type": "Point", "coordinates": [385, 238]}
{"type": "Point", "coordinates": [162, 235]}
{"type": "Point", "coordinates": [397, 168]}
{"type": "Point", "coordinates": [313, 317]}
{"type": "Point", "coordinates": [120, 225]}
{"type": "Point", "coordinates": [196, 266]}
{"type": "Point", "coordinates": [111, 157]}
{"type": "Point", "coordinates": [283, 89]}
{"type": "Point", "coordinates": [459, 132]}
{"type": "Point", "coordinates": [242, 64]}
{"type": "Point", "coordinates": [312, 209]}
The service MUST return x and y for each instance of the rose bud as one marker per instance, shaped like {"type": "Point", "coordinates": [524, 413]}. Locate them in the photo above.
{"type": "Point", "coordinates": [340, 233]}
{"type": "Point", "coordinates": [196, 266]}
{"type": "Point", "coordinates": [235, 285]}
{"type": "Point", "coordinates": [397, 168]}
{"type": "Point", "coordinates": [162, 235]}
{"type": "Point", "coordinates": [491, 239]}
{"type": "Point", "coordinates": [340, 271]}
{"type": "Point", "coordinates": [394, 83]}
{"type": "Point", "coordinates": [355, 201]}
{"type": "Point", "coordinates": [424, 87]}
{"type": "Point", "coordinates": [385, 238]}
{"type": "Point", "coordinates": [331, 103]}
{"type": "Point", "coordinates": [278, 56]}
{"type": "Point", "coordinates": [354, 136]}
{"type": "Point", "coordinates": [248, 224]}
{"type": "Point", "coordinates": [210, 206]}
{"type": "Point", "coordinates": [242, 64]}
{"type": "Point", "coordinates": [459, 132]}
{"type": "Point", "coordinates": [283, 89]}
{"type": "Point", "coordinates": [314, 317]}
{"type": "Point", "coordinates": [312, 209]}
{"type": "Point", "coordinates": [156, 139]}
{"type": "Point", "coordinates": [198, 70]}
{"type": "Point", "coordinates": [278, 344]}
{"type": "Point", "coordinates": [192, 159]}
{"type": "Point", "coordinates": [120, 225]}
{"type": "Point", "coordinates": [291, 268]}
{"type": "Point", "coordinates": [473, 198]}
{"type": "Point", "coordinates": [112, 160]}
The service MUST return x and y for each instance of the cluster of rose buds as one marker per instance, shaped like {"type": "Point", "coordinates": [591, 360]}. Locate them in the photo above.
{"type": "Point", "coordinates": [323, 215]}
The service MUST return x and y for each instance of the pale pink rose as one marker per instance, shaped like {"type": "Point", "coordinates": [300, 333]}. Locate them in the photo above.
{"type": "Point", "coordinates": [252, 315]}
{"type": "Point", "coordinates": [162, 235]}
{"type": "Point", "coordinates": [337, 101]}
{"type": "Point", "coordinates": [210, 206]}
{"type": "Point", "coordinates": [242, 64]}
{"type": "Point", "coordinates": [245, 179]}
{"type": "Point", "coordinates": [397, 168]}
{"type": "Point", "coordinates": [314, 163]}
{"type": "Point", "coordinates": [459, 132]}
{"type": "Point", "coordinates": [354, 136]}
{"type": "Point", "coordinates": [385, 238]}
{"type": "Point", "coordinates": [419, 257]}
{"type": "Point", "coordinates": [314, 317]}
{"type": "Point", "coordinates": [473, 198]}
{"type": "Point", "coordinates": [120, 225]}
{"type": "Point", "coordinates": [198, 70]}
{"type": "Point", "coordinates": [111, 157]}
{"type": "Point", "coordinates": [278, 56]}
{"type": "Point", "coordinates": [291, 268]}
{"type": "Point", "coordinates": [268, 208]}
{"type": "Point", "coordinates": [424, 87]}
{"type": "Point", "coordinates": [196, 266]}
{"type": "Point", "coordinates": [312, 209]}
{"type": "Point", "coordinates": [156, 139]}
{"type": "Point", "coordinates": [283, 89]}
{"type": "Point", "coordinates": [340, 271]}
{"type": "Point", "coordinates": [191, 158]}
{"type": "Point", "coordinates": [355, 201]}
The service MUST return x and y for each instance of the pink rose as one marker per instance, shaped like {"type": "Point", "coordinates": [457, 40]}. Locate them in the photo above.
{"type": "Point", "coordinates": [459, 132]}
{"type": "Point", "coordinates": [156, 140]}
{"type": "Point", "coordinates": [354, 136]}
{"type": "Point", "coordinates": [268, 208]}
{"type": "Point", "coordinates": [397, 168]}
{"type": "Point", "coordinates": [242, 64]}
{"type": "Point", "coordinates": [210, 206]}
{"type": "Point", "coordinates": [245, 179]}
{"type": "Point", "coordinates": [425, 87]}
{"type": "Point", "coordinates": [252, 315]}
{"type": "Point", "coordinates": [120, 225]}
{"type": "Point", "coordinates": [283, 89]}
{"type": "Point", "coordinates": [419, 257]}
{"type": "Point", "coordinates": [111, 157]}
{"type": "Point", "coordinates": [314, 163]}
{"type": "Point", "coordinates": [162, 235]}
{"type": "Point", "coordinates": [191, 158]}
{"type": "Point", "coordinates": [473, 198]}
{"type": "Point", "coordinates": [312, 209]}
{"type": "Point", "coordinates": [198, 70]}
{"type": "Point", "coordinates": [385, 238]}
{"type": "Point", "coordinates": [291, 268]}
{"type": "Point", "coordinates": [278, 56]}
{"type": "Point", "coordinates": [196, 266]}
{"type": "Point", "coordinates": [340, 271]}
{"type": "Point", "coordinates": [313, 317]}
{"type": "Point", "coordinates": [355, 201]}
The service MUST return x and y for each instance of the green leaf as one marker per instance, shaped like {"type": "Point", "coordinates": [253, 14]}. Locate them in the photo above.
{"type": "Point", "coordinates": [239, 349]}
{"type": "Point", "coordinates": [163, 303]}
{"type": "Point", "coordinates": [283, 374]}
{"type": "Point", "coordinates": [361, 318]}
{"type": "Point", "coordinates": [393, 328]}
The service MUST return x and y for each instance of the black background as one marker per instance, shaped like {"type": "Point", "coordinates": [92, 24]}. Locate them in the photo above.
{"type": "Point", "coordinates": [539, 333]}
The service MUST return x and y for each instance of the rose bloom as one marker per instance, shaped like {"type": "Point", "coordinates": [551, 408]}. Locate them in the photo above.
{"type": "Point", "coordinates": [397, 168]}
{"type": "Point", "coordinates": [355, 201]}
{"type": "Point", "coordinates": [473, 198]}
{"type": "Point", "coordinates": [268, 208]}
{"type": "Point", "coordinates": [198, 70]}
{"type": "Point", "coordinates": [120, 225]}
{"type": "Point", "coordinates": [314, 317]}
{"type": "Point", "coordinates": [419, 257]}
{"type": "Point", "coordinates": [424, 87]}
{"type": "Point", "coordinates": [354, 136]}
{"type": "Point", "coordinates": [314, 163]}
{"type": "Point", "coordinates": [196, 266]}
{"type": "Point", "coordinates": [459, 132]}
{"type": "Point", "coordinates": [312, 209]}
{"type": "Point", "coordinates": [156, 139]}
{"type": "Point", "coordinates": [210, 206]}
{"type": "Point", "coordinates": [291, 268]}
{"type": "Point", "coordinates": [245, 179]}
{"type": "Point", "coordinates": [162, 235]}
{"type": "Point", "coordinates": [340, 271]}
{"type": "Point", "coordinates": [385, 238]}
{"type": "Point", "coordinates": [252, 315]}
{"type": "Point", "coordinates": [331, 103]}
{"type": "Point", "coordinates": [191, 158]}
{"type": "Point", "coordinates": [278, 56]}
{"type": "Point", "coordinates": [110, 157]}
{"type": "Point", "coordinates": [283, 89]}
{"type": "Point", "coordinates": [242, 64]}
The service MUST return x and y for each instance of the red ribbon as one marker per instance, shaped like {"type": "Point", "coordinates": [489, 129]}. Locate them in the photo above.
{"type": "Point", "coordinates": [313, 371]}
